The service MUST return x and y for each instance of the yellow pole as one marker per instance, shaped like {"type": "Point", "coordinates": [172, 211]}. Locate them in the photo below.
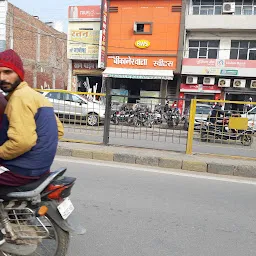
{"type": "Point", "coordinates": [192, 115]}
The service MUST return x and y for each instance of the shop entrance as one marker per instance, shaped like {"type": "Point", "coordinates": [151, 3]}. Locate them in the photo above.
{"type": "Point", "coordinates": [136, 87]}
{"type": "Point", "coordinates": [85, 83]}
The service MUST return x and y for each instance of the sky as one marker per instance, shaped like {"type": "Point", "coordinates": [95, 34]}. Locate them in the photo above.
{"type": "Point", "coordinates": [51, 10]}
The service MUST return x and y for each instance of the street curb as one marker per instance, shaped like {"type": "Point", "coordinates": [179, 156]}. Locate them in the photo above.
{"type": "Point", "coordinates": [171, 163]}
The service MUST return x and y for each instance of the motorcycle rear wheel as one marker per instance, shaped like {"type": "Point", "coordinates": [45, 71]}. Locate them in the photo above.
{"type": "Point", "coordinates": [45, 247]}
{"type": "Point", "coordinates": [247, 140]}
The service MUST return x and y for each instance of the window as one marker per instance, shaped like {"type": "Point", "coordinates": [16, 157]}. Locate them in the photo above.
{"type": "Point", "coordinates": [68, 97]}
{"type": "Point", "coordinates": [203, 49]}
{"type": "Point", "coordinates": [77, 99]}
{"type": "Point", "coordinates": [245, 7]}
{"type": "Point", "coordinates": [243, 50]}
{"type": "Point", "coordinates": [140, 27]}
{"type": "Point", "coordinates": [143, 28]}
{"type": "Point", "coordinates": [207, 7]}
{"type": "Point", "coordinates": [72, 98]}
{"type": "Point", "coordinates": [54, 95]}
{"type": "Point", "coordinates": [214, 7]}
{"type": "Point", "coordinates": [253, 111]}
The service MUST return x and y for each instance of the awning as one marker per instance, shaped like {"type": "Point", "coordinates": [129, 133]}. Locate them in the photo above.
{"type": "Point", "coordinates": [138, 73]}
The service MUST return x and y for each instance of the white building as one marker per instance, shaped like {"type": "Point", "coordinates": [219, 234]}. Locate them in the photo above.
{"type": "Point", "coordinates": [219, 50]}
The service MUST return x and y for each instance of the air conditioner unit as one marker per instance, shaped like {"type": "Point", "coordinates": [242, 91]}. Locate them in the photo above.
{"type": "Point", "coordinates": [253, 84]}
{"type": "Point", "coordinates": [229, 7]}
{"type": "Point", "coordinates": [191, 80]}
{"type": "Point", "coordinates": [209, 81]}
{"type": "Point", "coordinates": [239, 83]}
{"type": "Point", "coordinates": [224, 82]}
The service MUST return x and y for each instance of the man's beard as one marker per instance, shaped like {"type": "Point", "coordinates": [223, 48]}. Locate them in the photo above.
{"type": "Point", "coordinates": [13, 86]}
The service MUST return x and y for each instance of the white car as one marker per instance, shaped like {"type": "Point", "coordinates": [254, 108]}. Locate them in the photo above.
{"type": "Point", "coordinates": [203, 111]}
{"type": "Point", "coordinates": [68, 106]}
{"type": "Point", "coordinates": [251, 115]}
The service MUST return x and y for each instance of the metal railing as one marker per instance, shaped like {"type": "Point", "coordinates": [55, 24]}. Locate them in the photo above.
{"type": "Point", "coordinates": [151, 122]}
{"type": "Point", "coordinates": [145, 122]}
{"type": "Point", "coordinates": [97, 118]}
{"type": "Point", "coordinates": [228, 128]}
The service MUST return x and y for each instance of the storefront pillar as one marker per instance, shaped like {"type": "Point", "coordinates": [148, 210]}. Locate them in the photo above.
{"type": "Point", "coordinates": [163, 90]}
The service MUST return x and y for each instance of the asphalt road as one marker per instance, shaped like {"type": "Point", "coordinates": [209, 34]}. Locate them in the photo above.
{"type": "Point", "coordinates": [156, 138]}
{"type": "Point", "coordinates": [133, 211]}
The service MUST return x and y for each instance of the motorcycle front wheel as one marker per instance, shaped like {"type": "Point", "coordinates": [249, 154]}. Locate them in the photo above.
{"type": "Point", "coordinates": [55, 245]}
{"type": "Point", "coordinates": [115, 120]}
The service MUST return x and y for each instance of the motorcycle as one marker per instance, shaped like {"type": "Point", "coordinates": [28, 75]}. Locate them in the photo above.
{"type": "Point", "coordinates": [122, 117]}
{"type": "Point", "coordinates": [157, 114]}
{"type": "Point", "coordinates": [172, 117]}
{"type": "Point", "coordinates": [142, 118]}
{"type": "Point", "coordinates": [220, 131]}
{"type": "Point", "coordinates": [36, 219]}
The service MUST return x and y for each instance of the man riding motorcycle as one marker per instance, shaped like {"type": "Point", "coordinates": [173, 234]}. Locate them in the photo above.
{"type": "Point", "coordinates": [29, 129]}
{"type": "Point", "coordinates": [216, 113]}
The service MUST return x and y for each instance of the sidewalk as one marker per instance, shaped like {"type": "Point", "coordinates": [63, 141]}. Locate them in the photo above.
{"type": "Point", "coordinates": [159, 158]}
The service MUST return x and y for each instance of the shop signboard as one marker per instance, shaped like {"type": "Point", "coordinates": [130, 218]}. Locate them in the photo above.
{"type": "Point", "coordinates": [200, 88]}
{"type": "Point", "coordinates": [84, 65]}
{"type": "Point", "coordinates": [147, 62]}
{"type": "Point", "coordinates": [103, 34]}
{"type": "Point", "coordinates": [142, 44]}
{"type": "Point", "coordinates": [84, 13]}
{"type": "Point", "coordinates": [82, 52]}
{"type": "Point", "coordinates": [85, 36]}
{"type": "Point", "coordinates": [245, 68]}
{"type": "Point", "coordinates": [83, 44]}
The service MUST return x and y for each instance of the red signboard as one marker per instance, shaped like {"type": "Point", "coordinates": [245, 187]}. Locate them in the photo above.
{"type": "Point", "coordinates": [84, 65]}
{"type": "Point", "coordinates": [84, 12]}
{"type": "Point", "coordinates": [200, 88]}
{"type": "Point", "coordinates": [103, 34]}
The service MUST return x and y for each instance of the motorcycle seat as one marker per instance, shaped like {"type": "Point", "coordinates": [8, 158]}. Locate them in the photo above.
{"type": "Point", "coordinates": [32, 189]}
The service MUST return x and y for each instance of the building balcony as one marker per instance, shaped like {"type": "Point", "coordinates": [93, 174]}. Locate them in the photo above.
{"type": "Point", "coordinates": [220, 22]}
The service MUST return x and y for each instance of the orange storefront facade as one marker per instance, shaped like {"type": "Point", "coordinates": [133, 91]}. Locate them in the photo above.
{"type": "Point", "coordinates": [143, 49]}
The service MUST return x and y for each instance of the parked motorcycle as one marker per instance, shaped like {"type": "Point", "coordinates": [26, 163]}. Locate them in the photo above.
{"type": "Point", "coordinates": [124, 115]}
{"type": "Point", "coordinates": [172, 117]}
{"type": "Point", "coordinates": [121, 117]}
{"type": "Point", "coordinates": [220, 131]}
{"type": "Point", "coordinates": [37, 218]}
{"type": "Point", "coordinates": [157, 115]}
{"type": "Point", "coordinates": [142, 116]}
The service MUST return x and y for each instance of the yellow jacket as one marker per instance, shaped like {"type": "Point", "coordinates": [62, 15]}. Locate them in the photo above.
{"type": "Point", "coordinates": [29, 133]}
